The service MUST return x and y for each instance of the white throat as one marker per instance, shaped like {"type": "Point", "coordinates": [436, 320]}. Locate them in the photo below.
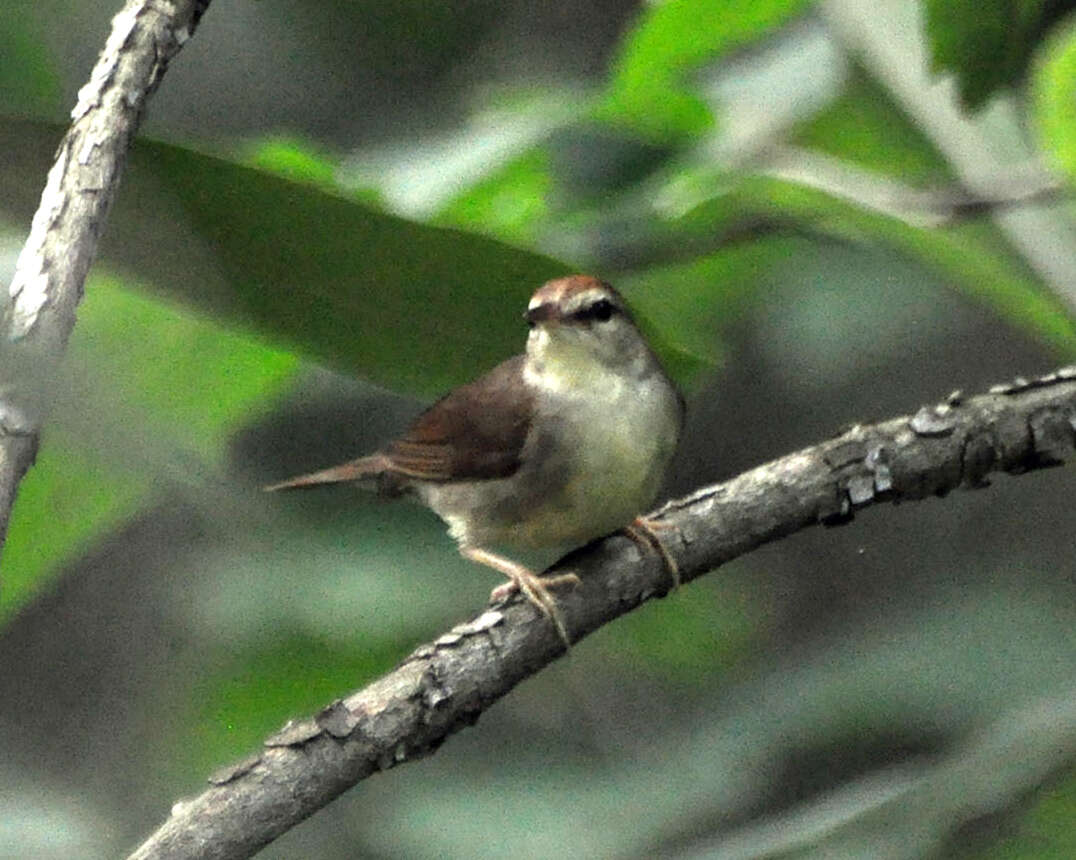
{"type": "Point", "coordinates": [556, 365]}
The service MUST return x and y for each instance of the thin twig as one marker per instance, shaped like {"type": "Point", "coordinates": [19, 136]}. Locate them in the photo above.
{"type": "Point", "coordinates": [447, 684]}
{"type": "Point", "coordinates": [931, 208]}
{"type": "Point", "coordinates": [37, 318]}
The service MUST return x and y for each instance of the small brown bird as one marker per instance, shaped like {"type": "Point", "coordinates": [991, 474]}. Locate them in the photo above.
{"type": "Point", "coordinates": [555, 447]}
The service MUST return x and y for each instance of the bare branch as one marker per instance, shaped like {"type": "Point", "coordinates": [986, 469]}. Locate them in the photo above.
{"type": "Point", "coordinates": [447, 684]}
{"type": "Point", "coordinates": [921, 208]}
{"type": "Point", "coordinates": [39, 314]}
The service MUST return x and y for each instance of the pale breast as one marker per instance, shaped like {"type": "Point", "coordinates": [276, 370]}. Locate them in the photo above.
{"type": "Point", "coordinates": [590, 466]}
{"type": "Point", "coordinates": [594, 456]}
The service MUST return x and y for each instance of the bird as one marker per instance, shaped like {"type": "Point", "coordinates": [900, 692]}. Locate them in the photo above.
{"type": "Point", "coordinates": [557, 446]}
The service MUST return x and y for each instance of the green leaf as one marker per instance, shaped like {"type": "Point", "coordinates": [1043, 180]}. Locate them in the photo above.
{"type": "Point", "coordinates": [369, 293]}
{"type": "Point", "coordinates": [366, 292]}
{"type": "Point", "coordinates": [649, 91]}
{"type": "Point", "coordinates": [988, 44]}
{"type": "Point", "coordinates": [509, 204]}
{"type": "Point", "coordinates": [293, 159]}
{"type": "Point", "coordinates": [865, 127]}
{"type": "Point", "coordinates": [1054, 90]}
{"type": "Point", "coordinates": [67, 500]}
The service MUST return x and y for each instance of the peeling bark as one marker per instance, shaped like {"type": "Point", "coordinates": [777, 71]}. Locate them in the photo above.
{"type": "Point", "coordinates": [447, 684]}
{"type": "Point", "coordinates": [39, 314]}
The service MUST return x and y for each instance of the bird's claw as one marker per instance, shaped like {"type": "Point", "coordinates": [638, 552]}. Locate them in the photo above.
{"type": "Point", "coordinates": [643, 531]}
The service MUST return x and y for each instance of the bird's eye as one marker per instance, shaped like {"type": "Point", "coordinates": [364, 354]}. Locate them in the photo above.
{"type": "Point", "coordinates": [601, 311]}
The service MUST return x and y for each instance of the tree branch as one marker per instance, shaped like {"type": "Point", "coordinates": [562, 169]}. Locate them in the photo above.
{"type": "Point", "coordinates": [447, 684]}
{"type": "Point", "coordinates": [39, 314]}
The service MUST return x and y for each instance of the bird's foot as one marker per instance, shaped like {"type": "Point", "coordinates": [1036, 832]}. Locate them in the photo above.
{"type": "Point", "coordinates": [534, 588]}
{"type": "Point", "coordinates": [644, 532]}
{"type": "Point", "coordinates": [506, 589]}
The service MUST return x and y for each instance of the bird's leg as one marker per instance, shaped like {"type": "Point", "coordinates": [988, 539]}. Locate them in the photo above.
{"type": "Point", "coordinates": [644, 532]}
{"type": "Point", "coordinates": [534, 588]}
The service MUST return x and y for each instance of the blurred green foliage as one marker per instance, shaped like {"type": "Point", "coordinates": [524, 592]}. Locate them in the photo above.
{"type": "Point", "coordinates": [1045, 832]}
{"type": "Point", "coordinates": [650, 90]}
{"type": "Point", "coordinates": [255, 691]}
{"type": "Point", "coordinates": [293, 160]}
{"type": "Point", "coordinates": [185, 381]}
{"type": "Point", "coordinates": [29, 84]}
{"type": "Point", "coordinates": [1055, 107]}
{"type": "Point", "coordinates": [690, 636]}
{"type": "Point", "coordinates": [225, 272]}
{"type": "Point", "coordinates": [988, 45]}
{"type": "Point", "coordinates": [509, 204]}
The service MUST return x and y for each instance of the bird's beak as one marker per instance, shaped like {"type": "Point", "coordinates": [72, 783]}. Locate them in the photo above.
{"type": "Point", "coordinates": [541, 314]}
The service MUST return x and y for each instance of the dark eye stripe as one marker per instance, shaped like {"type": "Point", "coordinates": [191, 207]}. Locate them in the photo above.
{"type": "Point", "coordinates": [598, 311]}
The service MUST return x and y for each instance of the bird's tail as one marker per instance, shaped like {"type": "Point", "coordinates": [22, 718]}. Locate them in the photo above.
{"type": "Point", "coordinates": [356, 470]}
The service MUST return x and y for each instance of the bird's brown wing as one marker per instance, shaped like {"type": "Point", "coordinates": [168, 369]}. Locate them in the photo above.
{"type": "Point", "coordinates": [476, 432]}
